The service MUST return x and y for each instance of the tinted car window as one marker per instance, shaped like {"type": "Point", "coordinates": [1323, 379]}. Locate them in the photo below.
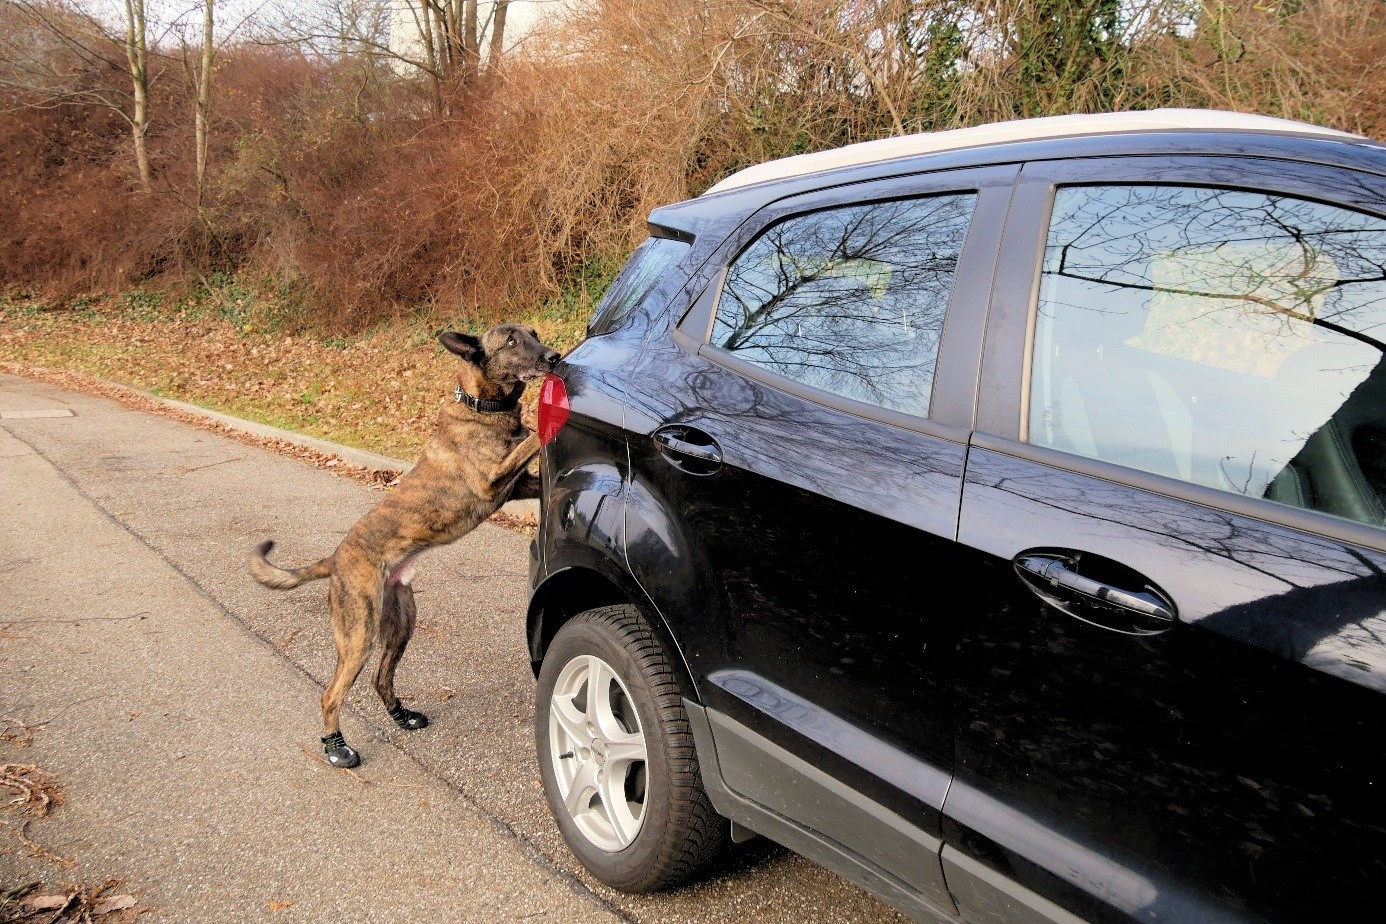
{"type": "Point", "coordinates": [1228, 338]}
{"type": "Point", "coordinates": [640, 274]}
{"type": "Point", "coordinates": [849, 300]}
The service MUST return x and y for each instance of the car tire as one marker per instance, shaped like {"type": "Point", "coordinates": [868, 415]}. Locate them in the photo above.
{"type": "Point", "coordinates": [619, 768]}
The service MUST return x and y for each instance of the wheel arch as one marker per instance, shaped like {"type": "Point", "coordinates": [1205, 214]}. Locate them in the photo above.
{"type": "Point", "coordinates": [578, 588]}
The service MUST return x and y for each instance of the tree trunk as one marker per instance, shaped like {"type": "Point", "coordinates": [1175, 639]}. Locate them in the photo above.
{"type": "Point", "coordinates": [204, 104]}
{"type": "Point", "coordinates": [432, 53]}
{"type": "Point", "coordinates": [497, 34]}
{"type": "Point", "coordinates": [137, 53]}
{"type": "Point", "coordinates": [445, 38]}
{"type": "Point", "coordinates": [470, 42]}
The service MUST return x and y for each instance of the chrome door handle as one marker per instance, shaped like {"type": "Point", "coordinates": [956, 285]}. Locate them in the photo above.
{"type": "Point", "coordinates": [685, 448]}
{"type": "Point", "coordinates": [1135, 612]}
{"type": "Point", "coordinates": [688, 449]}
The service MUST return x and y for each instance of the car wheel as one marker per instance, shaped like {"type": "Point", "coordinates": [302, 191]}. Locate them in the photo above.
{"type": "Point", "coordinates": [616, 755]}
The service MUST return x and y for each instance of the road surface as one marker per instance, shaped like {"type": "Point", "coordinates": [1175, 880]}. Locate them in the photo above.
{"type": "Point", "coordinates": [178, 702]}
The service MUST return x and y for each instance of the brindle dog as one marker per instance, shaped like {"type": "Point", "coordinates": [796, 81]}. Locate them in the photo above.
{"type": "Point", "coordinates": [474, 462]}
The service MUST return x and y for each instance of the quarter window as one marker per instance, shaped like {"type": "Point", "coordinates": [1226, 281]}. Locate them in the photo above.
{"type": "Point", "coordinates": [642, 272]}
{"type": "Point", "coordinates": [849, 300]}
{"type": "Point", "coordinates": [1228, 338]}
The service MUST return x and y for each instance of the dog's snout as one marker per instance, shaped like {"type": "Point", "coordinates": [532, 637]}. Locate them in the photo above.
{"type": "Point", "coordinates": [551, 357]}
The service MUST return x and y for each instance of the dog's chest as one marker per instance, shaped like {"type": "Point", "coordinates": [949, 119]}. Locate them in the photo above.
{"type": "Point", "coordinates": [488, 441]}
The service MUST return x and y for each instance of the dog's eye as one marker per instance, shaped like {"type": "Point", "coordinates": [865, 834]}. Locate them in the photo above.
{"type": "Point", "coordinates": [510, 342]}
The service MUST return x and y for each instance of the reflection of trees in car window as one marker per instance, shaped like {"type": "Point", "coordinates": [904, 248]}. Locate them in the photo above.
{"type": "Point", "coordinates": [849, 300]}
{"type": "Point", "coordinates": [637, 278]}
{"type": "Point", "coordinates": [1220, 263]}
{"type": "Point", "coordinates": [1227, 337]}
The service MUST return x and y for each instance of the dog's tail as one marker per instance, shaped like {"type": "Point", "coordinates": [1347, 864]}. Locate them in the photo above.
{"type": "Point", "coordinates": [284, 578]}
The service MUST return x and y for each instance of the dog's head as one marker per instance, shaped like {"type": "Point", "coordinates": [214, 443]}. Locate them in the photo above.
{"type": "Point", "coordinates": [505, 355]}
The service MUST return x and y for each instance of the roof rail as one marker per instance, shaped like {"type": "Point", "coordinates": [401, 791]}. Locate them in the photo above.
{"type": "Point", "coordinates": [1064, 126]}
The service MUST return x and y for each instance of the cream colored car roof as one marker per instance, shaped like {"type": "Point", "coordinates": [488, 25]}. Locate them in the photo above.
{"type": "Point", "coordinates": [1065, 126]}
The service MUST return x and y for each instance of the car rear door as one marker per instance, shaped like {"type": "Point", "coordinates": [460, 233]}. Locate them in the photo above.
{"type": "Point", "coordinates": [789, 440]}
{"type": "Point", "coordinates": [586, 470]}
{"type": "Point", "coordinates": [1171, 669]}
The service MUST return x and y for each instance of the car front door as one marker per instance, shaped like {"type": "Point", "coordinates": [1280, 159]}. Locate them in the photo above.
{"type": "Point", "coordinates": [790, 427]}
{"type": "Point", "coordinates": [1171, 674]}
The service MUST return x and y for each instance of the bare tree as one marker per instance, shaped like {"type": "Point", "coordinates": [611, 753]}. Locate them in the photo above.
{"type": "Point", "coordinates": [137, 54]}
{"type": "Point", "coordinates": [462, 30]}
{"type": "Point", "coordinates": [204, 101]}
{"type": "Point", "coordinates": [56, 54]}
{"type": "Point", "coordinates": [442, 40]}
{"type": "Point", "coordinates": [497, 33]}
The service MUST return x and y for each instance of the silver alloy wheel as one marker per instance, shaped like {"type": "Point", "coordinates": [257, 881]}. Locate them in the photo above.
{"type": "Point", "coordinates": [598, 753]}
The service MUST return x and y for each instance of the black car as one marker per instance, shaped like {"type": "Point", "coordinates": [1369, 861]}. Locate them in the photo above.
{"type": "Point", "coordinates": [996, 517]}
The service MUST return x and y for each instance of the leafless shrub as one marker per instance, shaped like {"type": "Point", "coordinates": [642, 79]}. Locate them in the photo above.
{"type": "Point", "coordinates": [363, 194]}
{"type": "Point", "coordinates": [1314, 60]}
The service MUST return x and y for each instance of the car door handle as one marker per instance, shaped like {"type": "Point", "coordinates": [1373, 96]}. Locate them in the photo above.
{"type": "Point", "coordinates": [1134, 612]}
{"type": "Point", "coordinates": [688, 448]}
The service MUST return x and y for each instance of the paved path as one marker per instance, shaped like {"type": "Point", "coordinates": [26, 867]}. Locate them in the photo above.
{"type": "Point", "coordinates": [178, 701]}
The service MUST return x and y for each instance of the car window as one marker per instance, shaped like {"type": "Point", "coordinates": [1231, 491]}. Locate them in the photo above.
{"type": "Point", "coordinates": [849, 300]}
{"type": "Point", "coordinates": [1229, 338]}
{"type": "Point", "coordinates": [641, 273]}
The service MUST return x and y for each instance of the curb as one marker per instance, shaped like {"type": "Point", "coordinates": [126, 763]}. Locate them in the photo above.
{"type": "Point", "coordinates": [359, 457]}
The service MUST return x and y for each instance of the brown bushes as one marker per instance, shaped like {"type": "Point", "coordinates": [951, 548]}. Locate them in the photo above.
{"type": "Point", "coordinates": [336, 185]}
{"type": "Point", "coordinates": [1313, 60]}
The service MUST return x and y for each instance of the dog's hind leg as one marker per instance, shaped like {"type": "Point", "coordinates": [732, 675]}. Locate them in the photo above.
{"type": "Point", "coordinates": [351, 620]}
{"type": "Point", "coordinates": [397, 620]}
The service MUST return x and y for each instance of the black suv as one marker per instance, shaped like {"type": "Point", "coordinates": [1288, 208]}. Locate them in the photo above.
{"type": "Point", "coordinates": [996, 517]}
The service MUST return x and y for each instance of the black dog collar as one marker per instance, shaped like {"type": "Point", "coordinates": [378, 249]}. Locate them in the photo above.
{"type": "Point", "coordinates": [484, 405]}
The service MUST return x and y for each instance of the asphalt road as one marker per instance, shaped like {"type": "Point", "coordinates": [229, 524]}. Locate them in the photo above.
{"type": "Point", "coordinates": [178, 702]}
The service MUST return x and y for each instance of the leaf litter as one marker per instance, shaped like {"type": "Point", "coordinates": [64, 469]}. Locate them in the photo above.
{"type": "Point", "coordinates": [380, 391]}
{"type": "Point", "coordinates": [33, 793]}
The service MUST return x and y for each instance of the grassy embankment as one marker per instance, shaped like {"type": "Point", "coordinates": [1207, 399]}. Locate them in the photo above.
{"type": "Point", "coordinates": [239, 352]}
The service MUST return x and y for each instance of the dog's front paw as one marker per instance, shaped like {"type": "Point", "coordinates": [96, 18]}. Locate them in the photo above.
{"type": "Point", "coordinates": [408, 719]}
{"type": "Point", "coordinates": [339, 753]}
{"type": "Point", "coordinates": [527, 487]}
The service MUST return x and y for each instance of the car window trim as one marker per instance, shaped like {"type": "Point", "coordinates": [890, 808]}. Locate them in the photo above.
{"type": "Point", "coordinates": [1255, 508]}
{"type": "Point", "coordinates": [695, 328]}
{"type": "Point", "coordinates": [830, 400]}
{"type": "Point", "coordinates": [1002, 417]}
{"type": "Point", "coordinates": [959, 353]}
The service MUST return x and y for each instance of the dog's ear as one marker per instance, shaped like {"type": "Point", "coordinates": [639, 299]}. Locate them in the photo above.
{"type": "Point", "coordinates": [464, 345]}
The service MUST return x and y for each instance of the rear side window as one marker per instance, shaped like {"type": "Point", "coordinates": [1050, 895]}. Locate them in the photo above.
{"type": "Point", "coordinates": [637, 278]}
{"type": "Point", "coordinates": [849, 300]}
{"type": "Point", "coordinates": [1228, 338]}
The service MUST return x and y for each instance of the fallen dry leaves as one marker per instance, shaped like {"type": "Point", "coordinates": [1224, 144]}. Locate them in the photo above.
{"type": "Point", "coordinates": [15, 731]}
{"type": "Point", "coordinates": [75, 903]}
{"type": "Point", "coordinates": [34, 792]}
{"type": "Point", "coordinates": [378, 391]}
